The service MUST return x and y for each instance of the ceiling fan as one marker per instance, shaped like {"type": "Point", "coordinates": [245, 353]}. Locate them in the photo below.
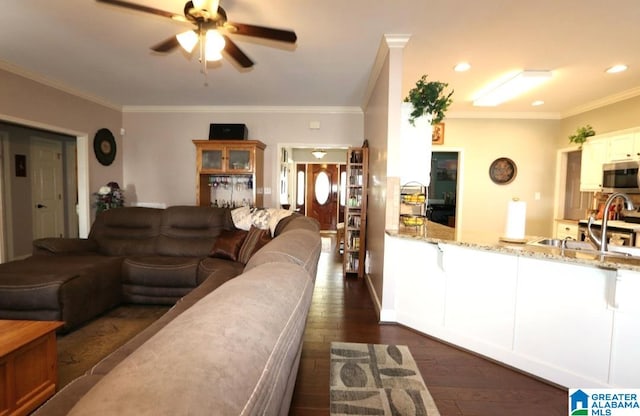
{"type": "Point", "coordinates": [210, 32]}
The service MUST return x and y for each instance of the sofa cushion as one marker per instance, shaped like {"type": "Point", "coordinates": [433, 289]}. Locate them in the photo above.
{"type": "Point", "coordinates": [294, 222]}
{"type": "Point", "coordinates": [72, 289]}
{"type": "Point", "coordinates": [191, 230]}
{"type": "Point", "coordinates": [160, 271]}
{"type": "Point", "coordinates": [228, 244]}
{"type": "Point", "coordinates": [211, 265]}
{"type": "Point", "coordinates": [300, 247]}
{"type": "Point", "coordinates": [255, 240]}
{"type": "Point", "coordinates": [127, 231]}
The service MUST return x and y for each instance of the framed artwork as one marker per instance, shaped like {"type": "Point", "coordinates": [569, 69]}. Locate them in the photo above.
{"type": "Point", "coordinates": [437, 136]}
{"type": "Point", "coordinates": [21, 166]}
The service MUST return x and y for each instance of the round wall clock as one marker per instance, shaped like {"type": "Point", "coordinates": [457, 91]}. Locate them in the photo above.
{"type": "Point", "coordinates": [104, 146]}
{"type": "Point", "coordinates": [502, 171]}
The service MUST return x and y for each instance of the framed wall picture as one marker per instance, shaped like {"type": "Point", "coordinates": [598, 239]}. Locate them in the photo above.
{"type": "Point", "coordinates": [21, 166]}
{"type": "Point", "coordinates": [437, 136]}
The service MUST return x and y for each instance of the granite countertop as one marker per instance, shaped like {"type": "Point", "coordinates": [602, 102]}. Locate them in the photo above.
{"type": "Point", "coordinates": [437, 233]}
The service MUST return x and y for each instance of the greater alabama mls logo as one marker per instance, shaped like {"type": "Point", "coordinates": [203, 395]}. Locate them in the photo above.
{"type": "Point", "coordinates": [604, 402]}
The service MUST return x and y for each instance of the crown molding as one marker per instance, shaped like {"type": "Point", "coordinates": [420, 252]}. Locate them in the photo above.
{"type": "Point", "coordinates": [612, 99]}
{"type": "Point", "coordinates": [33, 76]}
{"type": "Point", "coordinates": [240, 109]}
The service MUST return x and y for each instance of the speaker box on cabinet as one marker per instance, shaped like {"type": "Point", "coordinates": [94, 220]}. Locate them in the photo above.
{"type": "Point", "coordinates": [228, 131]}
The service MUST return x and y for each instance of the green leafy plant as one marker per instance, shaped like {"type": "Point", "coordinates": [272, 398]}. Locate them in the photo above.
{"type": "Point", "coordinates": [429, 98]}
{"type": "Point", "coordinates": [581, 135]}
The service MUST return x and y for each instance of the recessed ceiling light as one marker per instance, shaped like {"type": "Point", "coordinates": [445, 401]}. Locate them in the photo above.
{"type": "Point", "coordinates": [537, 103]}
{"type": "Point", "coordinates": [462, 66]}
{"type": "Point", "coordinates": [616, 68]}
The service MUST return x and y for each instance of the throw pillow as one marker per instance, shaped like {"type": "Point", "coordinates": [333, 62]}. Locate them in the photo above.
{"type": "Point", "coordinates": [228, 244]}
{"type": "Point", "coordinates": [242, 218]}
{"type": "Point", "coordinates": [256, 239]}
{"type": "Point", "coordinates": [260, 218]}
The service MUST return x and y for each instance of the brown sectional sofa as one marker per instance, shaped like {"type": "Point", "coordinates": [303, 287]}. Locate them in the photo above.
{"type": "Point", "coordinates": [230, 344]}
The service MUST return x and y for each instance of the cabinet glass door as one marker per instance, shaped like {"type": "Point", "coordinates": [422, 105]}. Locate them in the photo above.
{"type": "Point", "coordinates": [211, 159]}
{"type": "Point", "coordinates": [239, 159]}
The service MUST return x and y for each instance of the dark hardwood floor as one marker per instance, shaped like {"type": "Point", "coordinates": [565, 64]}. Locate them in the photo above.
{"type": "Point", "coordinates": [460, 383]}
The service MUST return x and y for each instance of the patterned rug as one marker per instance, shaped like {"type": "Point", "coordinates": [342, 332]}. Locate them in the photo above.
{"type": "Point", "coordinates": [374, 379]}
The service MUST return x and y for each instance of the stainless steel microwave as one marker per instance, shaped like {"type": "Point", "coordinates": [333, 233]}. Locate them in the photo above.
{"type": "Point", "coordinates": [621, 177]}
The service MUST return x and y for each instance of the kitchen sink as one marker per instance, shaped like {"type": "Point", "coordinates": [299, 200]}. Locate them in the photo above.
{"type": "Point", "coordinates": [586, 247]}
{"type": "Point", "coordinates": [568, 244]}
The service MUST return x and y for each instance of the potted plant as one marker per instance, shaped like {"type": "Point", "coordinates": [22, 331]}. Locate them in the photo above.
{"type": "Point", "coordinates": [581, 135]}
{"type": "Point", "coordinates": [428, 98]}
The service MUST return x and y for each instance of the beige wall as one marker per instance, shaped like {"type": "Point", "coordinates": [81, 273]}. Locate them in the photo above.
{"type": "Point", "coordinates": [376, 131]}
{"type": "Point", "coordinates": [29, 102]}
{"type": "Point", "coordinates": [159, 164]}
{"type": "Point", "coordinates": [531, 145]}
{"type": "Point", "coordinates": [619, 116]}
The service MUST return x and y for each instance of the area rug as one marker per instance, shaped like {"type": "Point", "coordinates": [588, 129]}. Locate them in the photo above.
{"type": "Point", "coordinates": [376, 379]}
{"type": "Point", "coordinates": [84, 347]}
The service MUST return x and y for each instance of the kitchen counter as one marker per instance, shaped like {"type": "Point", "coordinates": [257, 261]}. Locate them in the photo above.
{"type": "Point", "coordinates": [565, 316]}
{"type": "Point", "coordinates": [437, 233]}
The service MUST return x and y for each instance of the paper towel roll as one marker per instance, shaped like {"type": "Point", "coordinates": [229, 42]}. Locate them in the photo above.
{"type": "Point", "coordinates": [516, 218]}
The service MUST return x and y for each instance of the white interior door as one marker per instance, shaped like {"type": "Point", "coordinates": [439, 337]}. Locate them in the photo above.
{"type": "Point", "coordinates": [47, 188]}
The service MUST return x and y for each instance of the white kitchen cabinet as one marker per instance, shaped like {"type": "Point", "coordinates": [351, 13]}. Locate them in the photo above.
{"type": "Point", "coordinates": [564, 319]}
{"type": "Point", "coordinates": [625, 350]}
{"type": "Point", "coordinates": [480, 295]}
{"type": "Point", "coordinates": [594, 154]}
{"type": "Point", "coordinates": [420, 289]}
{"type": "Point", "coordinates": [624, 146]}
{"type": "Point", "coordinates": [567, 229]}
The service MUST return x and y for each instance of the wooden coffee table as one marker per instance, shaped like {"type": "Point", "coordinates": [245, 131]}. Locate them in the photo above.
{"type": "Point", "coordinates": [28, 365]}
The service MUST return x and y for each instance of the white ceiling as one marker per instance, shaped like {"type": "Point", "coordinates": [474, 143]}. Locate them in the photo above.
{"type": "Point", "coordinates": [103, 51]}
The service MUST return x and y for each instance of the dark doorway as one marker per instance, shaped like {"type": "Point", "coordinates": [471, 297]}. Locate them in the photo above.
{"type": "Point", "coordinates": [441, 207]}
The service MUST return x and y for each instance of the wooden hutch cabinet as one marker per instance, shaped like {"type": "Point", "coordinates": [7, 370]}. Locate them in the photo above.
{"type": "Point", "coordinates": [355, 212]}
{"type": "Point", "coordinates": [229, 172]}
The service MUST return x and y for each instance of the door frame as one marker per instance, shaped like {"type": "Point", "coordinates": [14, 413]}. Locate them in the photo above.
{"type": "Point", "coordinates": [82, 162]}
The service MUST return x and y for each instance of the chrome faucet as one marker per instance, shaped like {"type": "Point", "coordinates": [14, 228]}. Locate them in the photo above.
{"type": "Point", "coordinates": [602, 242]}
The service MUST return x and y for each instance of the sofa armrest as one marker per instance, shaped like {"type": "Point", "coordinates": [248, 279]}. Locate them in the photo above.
{"type": "Point", "coordinates": [61, 246]}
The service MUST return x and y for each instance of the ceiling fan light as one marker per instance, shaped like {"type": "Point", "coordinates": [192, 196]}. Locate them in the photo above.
{"type": "Point", "coordinates": [214, 44]}
{"type": "Point", "coordinates": [187, 40]}
{"type": "Point", "coordinates": [199, 4]}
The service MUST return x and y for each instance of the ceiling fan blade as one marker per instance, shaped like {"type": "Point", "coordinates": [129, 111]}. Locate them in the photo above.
{"type": "Point", "coordinates": [166, 45]}
{"type": "Point", "coordinates": [263, 32]}
{"type": "Point", "coordinates": [232, 49]}
{"type": "Point", "coordinates": [144, 9]}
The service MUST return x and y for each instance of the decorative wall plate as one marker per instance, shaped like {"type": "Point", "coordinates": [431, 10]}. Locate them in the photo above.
{"type": "Point", "coordinates": [104, 146]}
{"type": "Point", "coordinates": [502, 171]}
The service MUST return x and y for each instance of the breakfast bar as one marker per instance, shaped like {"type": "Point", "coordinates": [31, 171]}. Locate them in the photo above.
{"type": "Point", "coordinates": [569, 317]}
